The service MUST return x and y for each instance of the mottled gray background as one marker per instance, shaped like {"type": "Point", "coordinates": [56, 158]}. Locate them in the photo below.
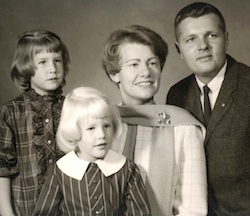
{"type": "Point", "coordinates": [84, 25]}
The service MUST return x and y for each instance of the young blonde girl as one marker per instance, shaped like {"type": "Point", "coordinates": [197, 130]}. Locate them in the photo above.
{"type": "Point", "coordinates": [28, 122]}
{"type": "Point", "coordinates": [91, 179]}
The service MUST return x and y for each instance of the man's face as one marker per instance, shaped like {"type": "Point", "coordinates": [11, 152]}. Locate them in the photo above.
{"type": "Point", "coordinates": [202, 45]}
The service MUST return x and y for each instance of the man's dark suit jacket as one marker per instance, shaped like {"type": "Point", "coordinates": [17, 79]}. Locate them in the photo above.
{"type": "Point", "coordinates": [227, 142]}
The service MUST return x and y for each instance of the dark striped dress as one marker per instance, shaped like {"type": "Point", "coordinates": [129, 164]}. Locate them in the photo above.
{"type": "Point", "coordinates": [96, 193]}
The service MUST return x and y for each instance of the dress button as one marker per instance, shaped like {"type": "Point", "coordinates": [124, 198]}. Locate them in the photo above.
{"type": "Point", "coordinates": [49, 141]}
{"type": "Point", "coordinates": [95, 197]}
{"type": "Point", "coordinates": [94, 181]}
{"type": "Point", "coordinates": [50, 161]}
{"type": "Point", "coordinates": [47, 120]}
{"type": "Point", "coordinates": [97, 212]}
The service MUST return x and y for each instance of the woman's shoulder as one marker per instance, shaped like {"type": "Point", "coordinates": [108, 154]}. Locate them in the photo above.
{"type": "Point", "coordinates": [157, 115]}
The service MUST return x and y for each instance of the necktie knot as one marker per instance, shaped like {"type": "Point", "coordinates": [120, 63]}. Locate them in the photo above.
{"type": "Point", "coordinates": [206, 90]}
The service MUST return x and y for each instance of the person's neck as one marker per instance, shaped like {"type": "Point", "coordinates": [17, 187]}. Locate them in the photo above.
{"type": "Point", "coordinates": [87, 157]}
{"type": "Point", "coordinates": [206, 79]}
{"type": "Point", "coordinates": [135, 103]}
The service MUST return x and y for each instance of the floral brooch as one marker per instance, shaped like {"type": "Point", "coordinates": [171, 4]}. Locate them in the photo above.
{"type": "Point", "coordinates": [164, 118]}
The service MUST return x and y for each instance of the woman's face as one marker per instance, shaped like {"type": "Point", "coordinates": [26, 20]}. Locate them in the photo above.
{"type": "Point", "coordinates": [140, 75]}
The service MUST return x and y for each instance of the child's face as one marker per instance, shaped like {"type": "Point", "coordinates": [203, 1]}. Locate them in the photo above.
{"type": "Point", "coordinates": [97, 136]}
{"type": "Point", "coordinates": [49, 72]}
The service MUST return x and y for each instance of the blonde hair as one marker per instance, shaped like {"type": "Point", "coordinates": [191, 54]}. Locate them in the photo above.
{"type": "Point", "coordinates": [79, 105]}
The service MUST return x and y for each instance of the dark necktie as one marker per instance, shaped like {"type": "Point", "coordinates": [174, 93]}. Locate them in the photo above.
{"type": "Point", "coordinates": [207, 107]}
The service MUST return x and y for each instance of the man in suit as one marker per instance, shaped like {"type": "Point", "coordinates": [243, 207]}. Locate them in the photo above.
{"type": "Point", "coordinates": [202, 41]}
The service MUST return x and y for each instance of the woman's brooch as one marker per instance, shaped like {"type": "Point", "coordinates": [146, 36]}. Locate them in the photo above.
{"type": "Point", "coordinates": [164, 118]}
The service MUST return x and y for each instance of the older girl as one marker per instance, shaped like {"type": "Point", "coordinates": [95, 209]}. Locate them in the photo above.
{"type": "Point", "coordinates": [28, 123]}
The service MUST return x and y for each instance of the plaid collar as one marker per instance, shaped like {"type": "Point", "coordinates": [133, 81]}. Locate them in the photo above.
{"type": "Point", "coordinates": [40, 105]}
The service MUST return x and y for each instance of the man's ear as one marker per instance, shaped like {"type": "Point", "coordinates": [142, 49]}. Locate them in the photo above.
{"type": "Point", "coordinates": [227, 40]}
{"type": "Point", "coordinates": [115, 78]}
{"type": "Point", "coordinates": [178, 49]}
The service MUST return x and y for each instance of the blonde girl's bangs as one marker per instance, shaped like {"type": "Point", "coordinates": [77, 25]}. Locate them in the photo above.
{"type": "Point", "coordinates": [98, 109]}
{"type": "Point", "coordinates": [80, 105]}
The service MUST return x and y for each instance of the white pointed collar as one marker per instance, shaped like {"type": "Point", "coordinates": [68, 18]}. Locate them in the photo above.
{"type": "Point", "coordinates": [73, 166]}
{"type": "Point", "coordinates": [216, 83]}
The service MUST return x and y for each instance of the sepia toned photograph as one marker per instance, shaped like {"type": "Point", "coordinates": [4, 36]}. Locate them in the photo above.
{"type": "Point", "coordinates": [124, 107]}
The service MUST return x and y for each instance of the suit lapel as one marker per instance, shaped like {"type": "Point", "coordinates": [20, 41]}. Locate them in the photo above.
{"type": "Point", "coordinates": [225, 97]}
{"type": "Point", "coordinates": [193, 99]}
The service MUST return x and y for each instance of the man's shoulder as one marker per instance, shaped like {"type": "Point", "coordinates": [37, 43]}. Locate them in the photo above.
{"type": "Point", "coordinates": [244, 72]}
{"type": "Point", "coordinates": [234, 65]}
{"type": "Point", "coordinates": [185, 82]}
{"type": "Point", "coordinates": [178, 93]}
{"type": "Point", "coordinates": [239, 73]}
{"type": "Point", "coordinates": [157, 115]}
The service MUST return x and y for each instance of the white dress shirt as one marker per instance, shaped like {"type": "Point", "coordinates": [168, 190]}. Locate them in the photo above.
{"type": "Point", "coordinates": [214, 85]}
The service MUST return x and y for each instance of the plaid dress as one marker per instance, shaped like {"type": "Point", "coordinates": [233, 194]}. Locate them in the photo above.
{"type": "Point", "coordinates": [169, 152]}
{"type": "Point", "coordinates": [27, 145]}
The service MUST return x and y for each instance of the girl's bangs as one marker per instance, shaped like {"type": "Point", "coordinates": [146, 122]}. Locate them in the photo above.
{"type": "Point", "coordinates": [47, 45]}
{"type": "Point", "coordinates": [99, 110]}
